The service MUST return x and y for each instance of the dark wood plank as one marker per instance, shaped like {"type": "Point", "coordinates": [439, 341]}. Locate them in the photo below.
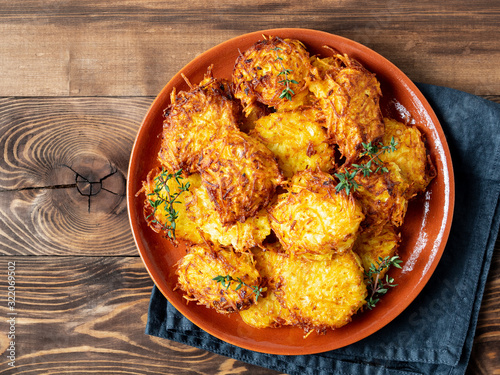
{"type": "Point", "coordinates": [485, 357]}
{"type": "Point", "coordinates": [87, 315]}
{"type": "Point", "coordinates": [113, 48]}
{"type": "Point", "coordinates": [63, 177]}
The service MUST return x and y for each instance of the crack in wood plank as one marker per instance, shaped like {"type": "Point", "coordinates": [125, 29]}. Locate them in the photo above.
{"type": "Point", "coordinates": [49, 187]}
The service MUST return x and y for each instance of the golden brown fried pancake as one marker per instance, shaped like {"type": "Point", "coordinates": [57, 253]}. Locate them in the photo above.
{"type": "Point", "coordinates": [193, 119]}
{"type": "Point", "coordinates": [155, 190]}
{"type": "Point", "coordinates": [198, 268]}
{"type": "Point", "coordinates": [297, 140]}
{"type": "Point", "coordinates": [376, 243]}
{"type": "Point", "coordinates": [242, 236]}
{"type": "Point", "coordinates": [382, 196]}
{"type": "Point", "coordinates": [348, 101]}
{"type": "Point", "coordinates": [312, 294]}
{"type": "Point", "coordinates": [410, 155]}
{"type": "Point", "coordinates": [264, 72]}
{"type": "Point", "coordinates": [312, 219]}
{"type": "Point", "coordinates": [240, 175]}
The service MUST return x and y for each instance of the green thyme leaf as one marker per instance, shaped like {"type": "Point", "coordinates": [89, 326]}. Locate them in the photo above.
{"type": "Point", "coordinates": [379, 286]}
{"type": "Point", "coordinates": [162, 196]}
{"type": "Point", "coordinates": [226, 281]}
{"type": "Point", "coordinates": [346, 179]}
{"type": "Point", "coordinates": [287, 92]}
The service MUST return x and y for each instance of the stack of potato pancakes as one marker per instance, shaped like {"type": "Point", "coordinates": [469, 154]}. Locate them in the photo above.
{"type": "Point", "coordinates": [271, 233]}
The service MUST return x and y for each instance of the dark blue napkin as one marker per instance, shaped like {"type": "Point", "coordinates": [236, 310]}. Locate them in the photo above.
{"type": "Point", "coordinates": [434, 335]}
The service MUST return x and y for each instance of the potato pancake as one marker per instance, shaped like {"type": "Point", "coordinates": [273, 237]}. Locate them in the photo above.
{"type": "Point", "coordinates": [314, 220]}
{"type": "Point", "coordinates": [348, 97]}
{"type": "Point", "coordinates": [411, 155]}
{"type": "Point", "coordinates": [155, 188]}
{"type": "Point", "coordinates": [269, 70]}
{"type": "Point", "coordinates": [193, 119]}
{"type": "Point", "coordinates": [377, 243]}
{"type": "Point", "coordinates": [268, 311]}
{"type": "Point", "coordinates": [240, 175]}
{"type": "Point", "coordinates": [256, 112]}
{"type": "Point", "coordinates": [382, 196]}
{"type": "Point", "coordinates": [318, 294]}
{"type": "Point", "coordinates": [297, 140]}
{"type": "Point", "coordinates": [198, 268]}
{"type": "Point", "coordinates": [242, 236]}
{"type": "Point", "coordinates": [326, 66]}
{"type": "Point", "coordinates": [302, 100]}
{"type": "Point", "coordinates": [293, 193]}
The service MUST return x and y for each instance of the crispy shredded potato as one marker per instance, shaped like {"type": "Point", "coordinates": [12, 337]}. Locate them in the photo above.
{"type": "Point", "coordinates": [254, 114]}
{"type": "Point", "coordinates": [296, 187]}
{"type": "Point", "coordinates": [377, 243]}
{"type": "Point", "coordinates": [313, 220]}
{"type": "Point", "coordinates": [348, 97]}
{"type": "Point", "coordinates": [411, 156]}
{"type": "Point", "coordinates": [197, 269]}
{"type": "Point", "coordinates": [322, 294]}
{"type": "Point", "coordinates": [297, 140]}
{"type": "Point", "coordinates": [193, 119]}
{"type": "Point", "coordinates": [268, 311]}
{"type": "Point", "coordinates": [187, 229]}
{"type": "Point", "coordinates": [240, 175]}
{"type": "Point", "coordinates": [242, 236]}
{"type": "Point", "coordinates": [313, 295]}
{"type": "Point", "coordinates": [382, 196]}
{"type": "Point", "coordinates": [259, 72]}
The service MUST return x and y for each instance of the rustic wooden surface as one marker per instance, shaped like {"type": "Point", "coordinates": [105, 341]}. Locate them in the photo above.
{"type": "Point", "coordinates": [76, 79]}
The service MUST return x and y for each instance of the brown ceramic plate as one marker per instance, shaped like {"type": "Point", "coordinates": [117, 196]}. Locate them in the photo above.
{"type": "Point", "coordinates": [424, 233]}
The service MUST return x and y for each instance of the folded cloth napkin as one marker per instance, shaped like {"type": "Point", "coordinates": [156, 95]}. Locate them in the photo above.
{"type": "Point", "coordinates": [434, 335]}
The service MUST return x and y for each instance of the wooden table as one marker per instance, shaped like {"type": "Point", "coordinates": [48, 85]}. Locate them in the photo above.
{"type": "Point", "coordinates": [76, 79]}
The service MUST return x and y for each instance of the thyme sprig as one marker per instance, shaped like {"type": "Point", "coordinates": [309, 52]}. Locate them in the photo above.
{"type": "Point", "coordinates": [164, 197]}
{"type": "Point", "coordinates": [378, 286]}
{"type": "Point", "coordinates": [346, 179]}
{"type": "Point", "coordinates": [228, 279]}
{"type": "Point", "coordinates": [287, 91]}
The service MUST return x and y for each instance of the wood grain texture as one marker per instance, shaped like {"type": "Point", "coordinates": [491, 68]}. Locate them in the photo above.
{"type": "Point", "coordinates": [113, 48]}
{"type": "Point", "coordinates": [76, 79]}
{"type": "Point", "coordinates": [83, 315]}
{"type": "Point", "coordinates": [63, 175]}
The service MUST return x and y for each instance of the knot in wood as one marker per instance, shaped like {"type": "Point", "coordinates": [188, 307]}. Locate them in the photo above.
{"type": "Point", "coordinates": [101, 183]}
{"type": "Point", "coordinates": [86, 187]}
